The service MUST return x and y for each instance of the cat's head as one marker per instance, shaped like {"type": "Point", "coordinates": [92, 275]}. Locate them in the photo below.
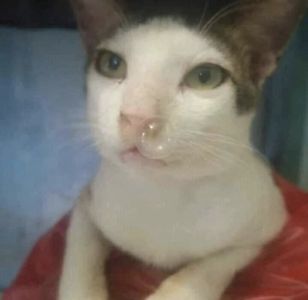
{"type": "Point", "coordinates": [172, 85]}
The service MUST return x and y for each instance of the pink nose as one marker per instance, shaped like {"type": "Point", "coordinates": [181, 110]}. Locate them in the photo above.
{"type": "Point", "coordinates": [132, 125]}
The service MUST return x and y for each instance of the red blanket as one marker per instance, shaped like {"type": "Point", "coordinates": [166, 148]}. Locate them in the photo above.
{"type": "Point", "coordinates": [281, 273]}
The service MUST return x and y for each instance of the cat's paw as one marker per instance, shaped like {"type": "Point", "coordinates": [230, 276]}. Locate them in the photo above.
{"type": "Point", "coordinates": [83, 296]}
{"type": "Point", "coordinates": [100, 297]}
{"type": "Point", "coordinates": [170, 292]}
{"type": "Point", "coordinates": [178, 295]}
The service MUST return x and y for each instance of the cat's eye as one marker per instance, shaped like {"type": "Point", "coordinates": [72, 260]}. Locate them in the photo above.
{"type": "Point", "coordinates": [205, 77]}
{"type": "Point", "coordinates": [110, 64]}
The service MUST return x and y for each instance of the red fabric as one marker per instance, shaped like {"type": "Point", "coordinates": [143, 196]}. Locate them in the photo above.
{"type": "Point", "coordinates": [281, 273]}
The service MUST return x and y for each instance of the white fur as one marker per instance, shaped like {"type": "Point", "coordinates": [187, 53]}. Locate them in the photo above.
{"type": "Point", "coordinates": [211, 209]}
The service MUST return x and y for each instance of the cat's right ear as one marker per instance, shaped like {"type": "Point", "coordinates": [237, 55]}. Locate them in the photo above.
{"type": "Point", "coordinates": [96, 19]}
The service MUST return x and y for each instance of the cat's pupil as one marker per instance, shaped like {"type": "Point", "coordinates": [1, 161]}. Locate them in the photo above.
{"type": "Point", "coordinates": [204, 76]}
{"type": "Point", "coordinates": [114, 63]}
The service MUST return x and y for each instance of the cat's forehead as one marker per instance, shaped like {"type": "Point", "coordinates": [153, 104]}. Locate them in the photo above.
{"type": "Point", "coordinates": [192, 12]}
{"type": "Point", "coordinates": [167, 38]}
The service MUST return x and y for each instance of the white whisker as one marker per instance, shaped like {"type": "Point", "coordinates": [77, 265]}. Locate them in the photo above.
{"type": "Point", "coordinates": [226, 11]}
{"type": "Point", "coordinates": [205, 8]}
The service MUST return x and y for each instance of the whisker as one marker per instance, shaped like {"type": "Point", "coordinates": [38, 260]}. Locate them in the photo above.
{"type": "Point", "coordinates": [228, 10]}
{"type": "Point", "coordinates": [120, 13]}
{"type": "Point", "coordinates": [220, 138]}
{"type": "Point", "coordinates": [205, 8]}
{"type": "Point", "coordinates": [222, 10]}
{"type": "Point", "coordinates": [227, 156]}
{"type": "Point", "coordinates": [219, 153]}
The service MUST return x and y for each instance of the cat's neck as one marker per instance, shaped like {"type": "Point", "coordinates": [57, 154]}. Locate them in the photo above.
{"type": "Point", "coordinates": [249, 169]}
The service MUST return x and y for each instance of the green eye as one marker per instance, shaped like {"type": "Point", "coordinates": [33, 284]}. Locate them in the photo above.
{"type": "Point", "coordinates": [205, 77]}
{"type": "Point", "coordinates": [110, 65]}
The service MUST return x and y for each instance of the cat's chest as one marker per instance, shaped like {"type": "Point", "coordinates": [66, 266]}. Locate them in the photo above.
{"type": "Point", "coordinates": [165, 228]}
{"type": "Point", "coordinates": [155, 233]}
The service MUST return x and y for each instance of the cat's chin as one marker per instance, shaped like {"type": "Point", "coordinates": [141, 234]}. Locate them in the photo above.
{"type": "Point", "coordinates": [133, 156]}
{"type": "Point", "coordinates": [133, 161]}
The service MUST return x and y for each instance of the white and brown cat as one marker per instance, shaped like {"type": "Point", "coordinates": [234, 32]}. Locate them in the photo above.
{"type": "Point", "coordinates": [172, 88]}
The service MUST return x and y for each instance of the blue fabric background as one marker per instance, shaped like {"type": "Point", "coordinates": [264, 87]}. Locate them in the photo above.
{"type": "Point", "coordinates": [44, 161]}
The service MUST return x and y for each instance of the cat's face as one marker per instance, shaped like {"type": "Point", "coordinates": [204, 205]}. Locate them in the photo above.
{"type": "Point", "coordinates": [177, 97]}
{"type": "Point", "coordinates": [164, 74]}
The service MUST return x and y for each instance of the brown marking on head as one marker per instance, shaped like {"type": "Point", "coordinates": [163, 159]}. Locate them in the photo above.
{"type": "Point", "coordinates": [253, 32]}
{"type": "Point", "coordinates": [259, 30]}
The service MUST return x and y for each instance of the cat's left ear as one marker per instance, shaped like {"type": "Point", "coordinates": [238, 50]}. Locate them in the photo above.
{"type": "Point", "coordinates": [262, 29]}
{"type": "Point", "coordinates": [96, 19]}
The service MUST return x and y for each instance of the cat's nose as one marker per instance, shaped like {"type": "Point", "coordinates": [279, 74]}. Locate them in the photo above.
{"type": "Point", "coordinates": [146, 134]}
{"type": "Point", "coordinates": [132, 125]}
{"type": "Point", "coordinates": [133, 121]}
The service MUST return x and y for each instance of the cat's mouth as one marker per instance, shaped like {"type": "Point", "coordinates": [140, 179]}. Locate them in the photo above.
{"type": "Point", "coordinates": [133, 155]}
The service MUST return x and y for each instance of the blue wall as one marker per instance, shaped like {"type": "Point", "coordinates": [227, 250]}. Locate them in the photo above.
{"type": "Point", "coordinates": [44, 160]}
{"type": "Point", "coordinates": [285, 117]}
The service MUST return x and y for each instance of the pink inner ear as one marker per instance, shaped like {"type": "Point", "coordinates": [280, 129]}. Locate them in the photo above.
{"type": "Point", "coordinates": [264, 67]}
{"type": "Point", "coordinates": [96, 20]}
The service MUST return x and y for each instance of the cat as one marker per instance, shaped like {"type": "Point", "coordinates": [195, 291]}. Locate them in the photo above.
{"type": "Point", "coordinates": [172, 89]}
